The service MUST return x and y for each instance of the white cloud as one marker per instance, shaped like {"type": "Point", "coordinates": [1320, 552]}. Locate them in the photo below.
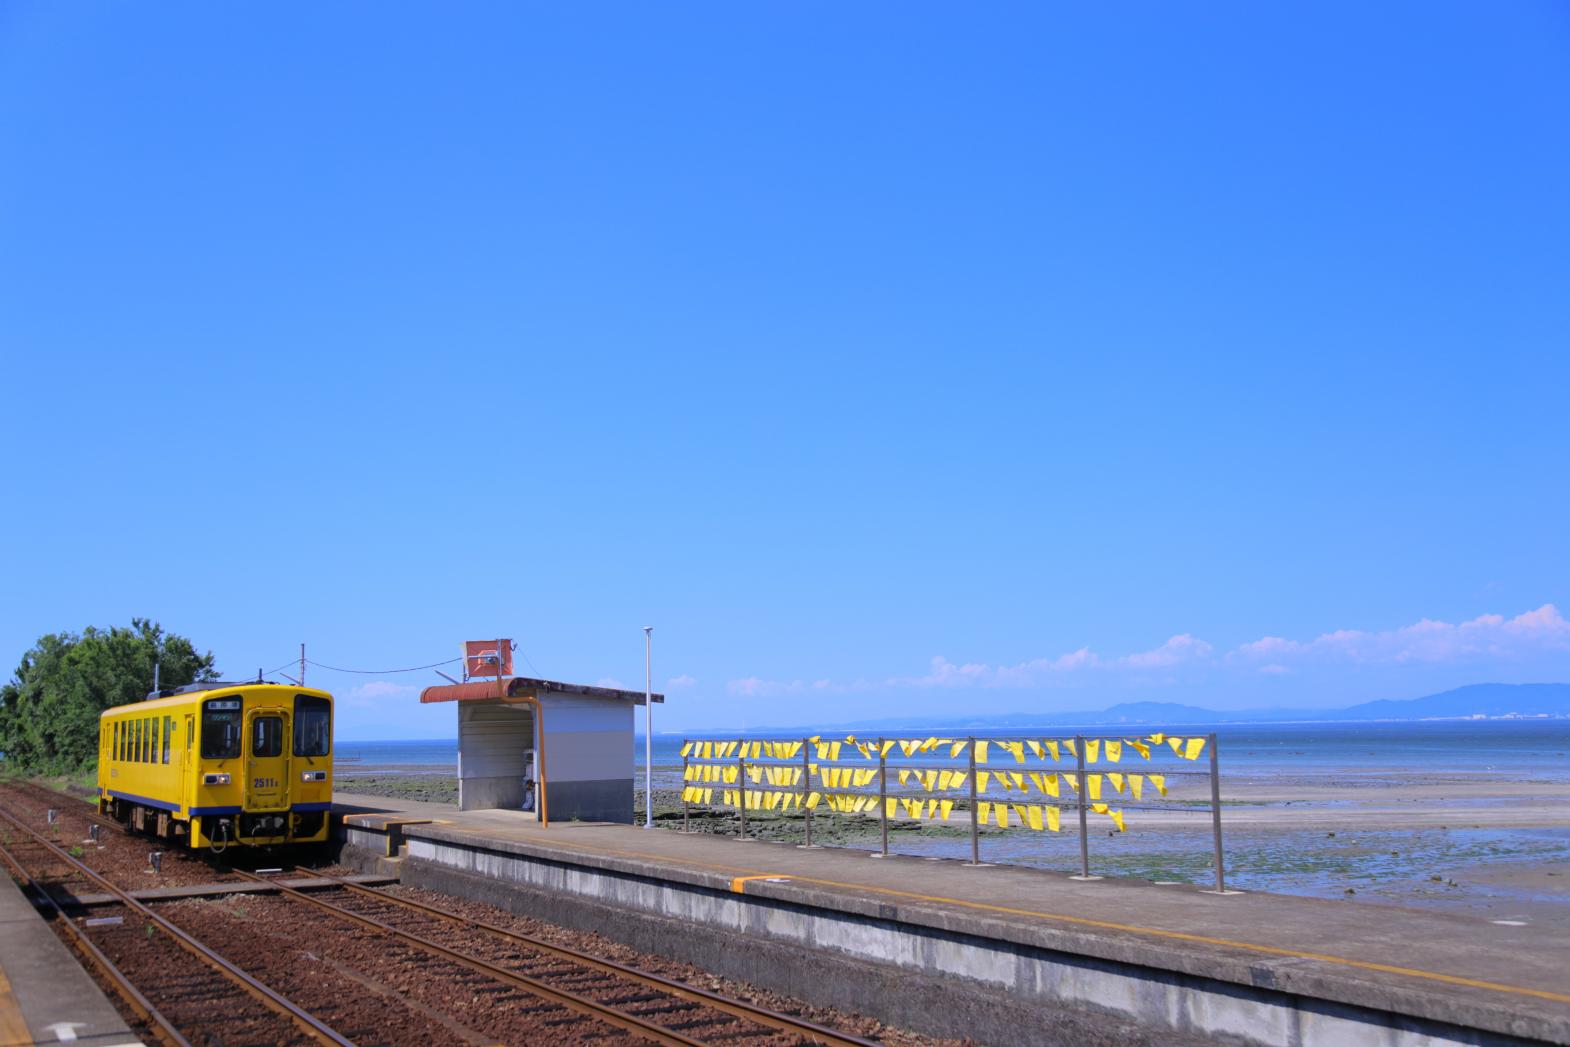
{"type": "Point", "coordinates": [1488, 637]}
{"type": "Point", "coordinates": [677, 683]}
{"type": "Point", "coordinates": [379, 694]}
{"type": "Point", "coordinates": [610, 681]}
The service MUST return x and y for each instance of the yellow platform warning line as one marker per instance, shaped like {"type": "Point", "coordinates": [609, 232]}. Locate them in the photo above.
{"type": "Point", "coordinates": [738, 884]}
{"type": "Point", "coordinates": [13, 1029]}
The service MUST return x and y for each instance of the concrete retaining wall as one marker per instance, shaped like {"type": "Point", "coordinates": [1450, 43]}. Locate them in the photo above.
{"type": "Point", "coordinates": [943, 982]}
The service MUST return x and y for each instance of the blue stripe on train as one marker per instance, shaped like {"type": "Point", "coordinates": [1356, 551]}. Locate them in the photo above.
{"type": "Point", "coordinates": [197, 811]}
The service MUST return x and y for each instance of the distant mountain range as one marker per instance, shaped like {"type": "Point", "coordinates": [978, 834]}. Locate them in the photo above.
{"type": "Point", "coordinates": [1481, 700]}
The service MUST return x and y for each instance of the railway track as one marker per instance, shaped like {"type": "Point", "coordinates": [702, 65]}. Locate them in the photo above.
{"type": "Point", "coordinates": [200, 991]}
{"type": "Point", "coordinates": [658, 1008]}
{"type": "Point", "coordinates": [554, 987]}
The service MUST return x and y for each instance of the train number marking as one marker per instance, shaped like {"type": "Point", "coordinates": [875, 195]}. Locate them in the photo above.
{"type": "Point", "coordinates": [264, 783]}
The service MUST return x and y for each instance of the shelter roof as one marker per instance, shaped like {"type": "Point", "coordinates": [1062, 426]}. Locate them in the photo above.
{"type": "Point", "coordinates": [523, 686]}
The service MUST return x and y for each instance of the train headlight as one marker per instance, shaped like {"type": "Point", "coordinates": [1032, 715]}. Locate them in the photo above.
{"type": "Point", "coordinates": [313, 776]}
{"type": "Point", "coordinates": [215, 779]}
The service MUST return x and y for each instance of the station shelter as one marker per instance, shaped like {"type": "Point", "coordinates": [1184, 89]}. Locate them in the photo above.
{"type": "Point", "coordinates": [561, 750]}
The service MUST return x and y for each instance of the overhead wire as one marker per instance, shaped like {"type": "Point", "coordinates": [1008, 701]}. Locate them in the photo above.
{"type": "Point", "coordinates": [381, 672]}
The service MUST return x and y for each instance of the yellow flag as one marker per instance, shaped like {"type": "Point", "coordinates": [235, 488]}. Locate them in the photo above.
{"type": "Point", "coordinates": [1092, 750]}
{"type": "Point", "coordinates": [945, 779]}
{"type": "Point", "coordinates": [834, 750]}
{"type": "Point", "coordinates": [957, 748]}
{"type": "Point", "coordinates": [1073, 781]}
{"type": "Point", "coordinates": [1035, 818]}
{"type": "Point", "coordinates": [1117, 818]}
{"type": "Point", "coordinates": [890, 806]}
{"type": "Point", "coordinates": [1194, 748]}
{"type": "Point", "coordinates": [1098, 808]}
{"type": "Point", "coordinates": [1039, 781]}
{"type": "Point", "coordinates": [1035, 747]}
{"type": "Point", "coordinates": [1116, 780]}
{"type": "Point", "coordinates": [983, 811]}
{"type": "Point", "coordinates": [812, 800]}
{"type": "Point", "coordinates": [932, 808]}
{"type": "Point", "coordinates": [1054, 819]}
{"type": "Point", "coordinates": [1136, 785]}
{"type": "Point", "coordinates": [981, 779]}
{"type": "Point", "coordinates": [1141, 748]}
{"type": "Point", "coordinates": [708, 795]}
{"type": "Point", "coordinates": [1114, 752]}
{"type": "Point", "coordinates": [1018, 749]}
{"type": "Point", "coordinates": [1051, 784]}
{"type": "Point", "coordinates": [1019, 780]}
{"type": "Point", "coordinates": [944, 807]}
{"type": "Point", "coordinates": [959, 779]}
{"type": "Point", "coordinates": [708, 750]}
{"type": "Point", "coordinates": [1052, 747]}
{"type": "Point", "coordinates": [904, 775]}
{"type": "Point", "coordinates": [1160, 782]}
{"type": "Point", "coordinates": [1177, 746]}
{"type": "Point", "coordinates": [906, 746]}
{"type": "Point", "coordinates": [1157, 739]}
{"type": "Point", "coordinates": [1068, 747]}
{"type": "Point", "coordinates": [686, 749]}
{"type": "Point", "coordinates": [1019, 814]}
{"type": "Point", "coordinates": [929, 745]}
{"type": "Point", "coordinates": [981, 752]}
{"type": "Point", "coordinates": [888, 743]}
{"type": "Point", "coordinates": [1094, 781]}
{"type": "Point", "coordinates": [1001, 812]}
{"type": "Point", "coordinates": [929, 781]}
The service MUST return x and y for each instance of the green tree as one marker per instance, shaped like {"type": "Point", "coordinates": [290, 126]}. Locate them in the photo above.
{"type": "Point", "coordinates": [49, 709]}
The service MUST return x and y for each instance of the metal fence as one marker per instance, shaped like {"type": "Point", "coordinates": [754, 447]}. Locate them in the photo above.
{"type": "Point", "coordinates": [1021, 782]}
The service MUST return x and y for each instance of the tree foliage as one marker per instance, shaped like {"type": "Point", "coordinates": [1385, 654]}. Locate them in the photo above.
{"type": "Point", "coordinates": [49, 709]}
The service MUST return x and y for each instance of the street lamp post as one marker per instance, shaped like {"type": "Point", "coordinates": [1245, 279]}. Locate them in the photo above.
{"type": "Point", "coordinates": [648, 727]}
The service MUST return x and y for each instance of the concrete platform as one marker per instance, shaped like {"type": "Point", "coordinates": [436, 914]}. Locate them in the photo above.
{"type": "Point", "coordinates": [1244, 968]}
{"type": "Point", "coordinates": [45, 995]}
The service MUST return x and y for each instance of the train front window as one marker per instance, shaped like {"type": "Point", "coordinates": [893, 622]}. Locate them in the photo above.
{"type": "Point", "coordinates": [220, 728]}
{"type": "Point", "coordinates": [267, 736]}
{"type": "Point", "coordinates": [313, 726]}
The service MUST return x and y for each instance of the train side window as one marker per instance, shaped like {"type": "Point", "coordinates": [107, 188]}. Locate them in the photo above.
{"type": "Point", "coordinates": [267, 736]}
{"type": "Point", "coordinates": [313, 725]}
{"type": "Point", "coordinates": [136, 741]}
{"type": "Point", "coordinates": [220, 728]}
{"type": "Point", "coordinates": [115, 728]}
{"type": "Point", "coordinates": [168, 730]}
{"type": "Point", "coordinates": [147, 739]}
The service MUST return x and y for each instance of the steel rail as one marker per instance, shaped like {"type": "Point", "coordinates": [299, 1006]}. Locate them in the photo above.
{"type": "Point", "coordinates": [571, 1000]}
{"type": "Point", "coordinates": [760, 1015]}
{"type": "Point", "coordinates": [309, 1024]}
{"type": "Point", "coordinates": [139, 1004]}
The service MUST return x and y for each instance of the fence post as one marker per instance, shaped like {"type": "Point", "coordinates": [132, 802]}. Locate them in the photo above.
{"type": "Point", "coordinates": [1215, 813]}
{"type": "Point", "coordinates": [806, 786]}
{"type": "Point", "coordinates": [1084, 808]}
{"type": "Point", "coordinates": [975, 829]}
{"type": "Point", "coordinates": [883, 796]}
{"type": "Point", "coordinates": [685, 784]}
{"type": "Point", "coordinates": [741, 791]}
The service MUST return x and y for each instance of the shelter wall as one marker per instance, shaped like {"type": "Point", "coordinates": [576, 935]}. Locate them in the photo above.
{"type": "Point", "coordinates": [492, 739]}
{"type": "Point", "coordinates": [589, 757]}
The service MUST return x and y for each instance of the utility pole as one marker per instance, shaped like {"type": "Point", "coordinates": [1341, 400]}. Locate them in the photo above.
{"type": "Point", "coordinates": [648, 727]}
{"type": "Point", "coordinates": [302, 665]}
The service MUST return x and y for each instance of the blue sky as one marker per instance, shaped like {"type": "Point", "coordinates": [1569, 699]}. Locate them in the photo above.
{"type": "Point", "coordinates": [884, 357]}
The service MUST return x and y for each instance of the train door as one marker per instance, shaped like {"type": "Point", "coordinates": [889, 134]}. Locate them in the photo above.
{"type": "Point", "coordinates": [188, 764]}
{"type": "Point", "coordinates": [266, 760]}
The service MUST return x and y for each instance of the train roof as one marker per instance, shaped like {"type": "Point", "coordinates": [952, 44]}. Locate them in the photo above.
{"type": "Point", "coordinates": [165, 695]}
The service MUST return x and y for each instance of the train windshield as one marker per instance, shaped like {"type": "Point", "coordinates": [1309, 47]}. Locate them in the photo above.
{"type": "Point", "coordinates": [313, 725]}
{"type": "Point", "coordinates": [221, 728]}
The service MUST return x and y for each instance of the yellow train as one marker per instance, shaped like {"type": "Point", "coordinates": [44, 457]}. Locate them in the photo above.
{"type": "Point", "coordinates": [211, 765]}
